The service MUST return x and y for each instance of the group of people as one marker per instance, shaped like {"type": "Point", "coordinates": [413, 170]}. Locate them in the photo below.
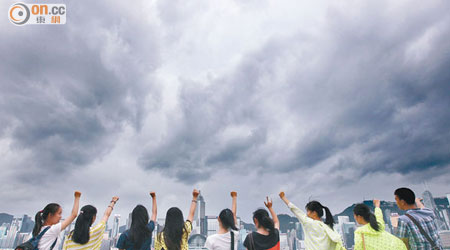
{"type": "Point", "coordinates": [415, 230]}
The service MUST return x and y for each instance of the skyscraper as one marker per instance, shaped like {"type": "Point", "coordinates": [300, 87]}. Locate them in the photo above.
{"type": "Point", "coordinates": [429, 202]}
{"type": "Point", "coordinates": [200, 215]}
{"type": "Point", "coordinates": [115, 228]}
{"type": "Point", "coordinates": [129, 221]}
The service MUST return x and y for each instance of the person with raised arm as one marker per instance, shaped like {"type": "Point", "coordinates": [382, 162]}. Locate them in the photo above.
{"type": "Point", "coordinates": [318, 235]}
{"type": "Point", "coordinates": [84, 236]}
{"type": "Point", "coordinates": [267, 235]}
{"type": "Point", "coordinates": [371, 235]}
{"type": "Point", "coordinates": [228, 234]}
{"type": "Point", "coordinates": [175, 233]}
{"type": "Point", "coordinates": [139, 236]}
{"type": "Point", "coordinates": [49, 219]}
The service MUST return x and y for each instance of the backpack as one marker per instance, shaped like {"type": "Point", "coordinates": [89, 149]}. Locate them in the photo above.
{"type": "Point", "coordinates": [32, 244]}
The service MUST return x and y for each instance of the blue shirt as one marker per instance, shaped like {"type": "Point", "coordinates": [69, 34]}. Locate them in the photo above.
{"type": "Point", "coordinates": [407, 229]}
{"type": "Point", "coordinates": [125, 243]}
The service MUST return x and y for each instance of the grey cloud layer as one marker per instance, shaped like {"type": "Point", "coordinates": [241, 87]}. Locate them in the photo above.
{"type": "Point", "coordinates": [66, 91]}
{"type": "Point", "coordinates": [365, 92]}
{"type": "Point", "coordinates": [369, 91]}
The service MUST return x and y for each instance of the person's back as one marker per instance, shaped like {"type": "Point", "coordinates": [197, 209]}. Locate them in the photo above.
{"type": "Point", "coordinates": [407, 229]}
{"type": "Point", "coordinates": [267, 235]}
{"type": "Point", "coordinates": [176, 231]}
{"type": "Point", "coordinates": [228, 235]}
{"type": "Point", "coordinates": [95, 239]}
{"type": "Point", "coordinates": [85, 236]}
{"type": "Point", "coordinates": [139, 236]}
{"type": "Point", "coordinates": [318, 235]}
{"type": "Point", "coordinates": [257, 241]}
{"type": "Point", "coordinates": [317, 232]}
{"type": "Point", "coordinates": [410, 229]}
{"type": "Point", "coordinates": [222, 241]}
{"type": "Point", "coordinates": [372, 235]}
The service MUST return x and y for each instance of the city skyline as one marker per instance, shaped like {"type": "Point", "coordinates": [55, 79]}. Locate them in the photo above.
{"type": "Point", "coordinates": [125, 220]}
{"type": "Point", "coordinates": [280, 208]}
{"type": "Point", "coordinates": [291, 233]}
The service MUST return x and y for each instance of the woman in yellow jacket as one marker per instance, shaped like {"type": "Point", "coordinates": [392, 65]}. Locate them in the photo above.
{"type": "Point", "coordinates": [372, 236]}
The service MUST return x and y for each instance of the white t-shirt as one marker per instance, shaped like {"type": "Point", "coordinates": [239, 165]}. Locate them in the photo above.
{"type": "Point", "coordinates": [222, 241]}
{"type": "Point", "coordinates": [49, 237]}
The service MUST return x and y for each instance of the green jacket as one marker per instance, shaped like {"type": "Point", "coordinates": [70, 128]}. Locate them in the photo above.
{"type": "Point", "coordinates": [375, 240]}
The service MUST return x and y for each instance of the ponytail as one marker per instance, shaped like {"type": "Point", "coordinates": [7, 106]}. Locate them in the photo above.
{"type": "Point", "coordinates": [328, 217]}
{"type": "Point", "coordinates": [364, 211]}
{"type": "Point", "coordinates": [83, 223]}
{"type": "Point", "coordinates": [373, 222]}
{"type": "Point", "coordinates": [42, 216]}
{"type": "Point", "coordinates": [263, 218]}
{"type": "Point", "coordinates": [315, 206]}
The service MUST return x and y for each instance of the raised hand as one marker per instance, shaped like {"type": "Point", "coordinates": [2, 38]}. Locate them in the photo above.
{"type": "Point", "coordinates": [376, 203]}
{"type": "Point", "coordinates": [115, 199]}
{"type": "Point", "coordinates": [77, 194]}
{"type": "Point", "coordinates": [233, 194]}
{"type": "Point", "coordinates": [268, 203]}
{"type": "Point", "coordinates": [153, 194]}
{"type": "Point", "coordinates": [282, 195]}
{"type": "Point", "coordinates": [195, 193]}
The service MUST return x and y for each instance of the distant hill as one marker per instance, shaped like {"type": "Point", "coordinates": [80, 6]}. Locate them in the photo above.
{"type": "Point", "coordinates": [286, 222]}
{"type": "Point", "coordinates": [5, 218]}
{"type": "Point", "coordinates": [392, 206]}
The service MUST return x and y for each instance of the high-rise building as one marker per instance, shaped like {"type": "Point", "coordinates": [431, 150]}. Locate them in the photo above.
{"type": "Point", "coordinates": [27, 224]}
{"type": "Point", "coordinates": [292, 239]}
{"type": "Point", "coordinates": [212, 225]}
{"type": "Point", "coordinates": [348, 230]}
{"type": "Point", "coordinates": [16, 224]}
{"type": "Point", "coordinates": [299, 230]}
{"type": "Point", "coordinates": [200, 215]}
{"type": "Point", "coordinates": [129, 221]}
{"type": "Point", "coordinates": [115, 228]}
{"type": "Point", "coordinates": [429, 202]}
{"type": "Point", "coordinates": [284, 241]}
{"type": "Point", "coordinates": [3, 234]}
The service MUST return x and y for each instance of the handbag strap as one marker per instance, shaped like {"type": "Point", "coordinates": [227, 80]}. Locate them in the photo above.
{"type": "Point", "coordinates": [42, 234]}
{"type": "Point", "coordinates": [422, 231]}
{"type": "Point", "coordinates": [363, 242]}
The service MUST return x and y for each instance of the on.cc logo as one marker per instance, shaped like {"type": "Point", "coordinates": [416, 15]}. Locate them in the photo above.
{"type": "Point", "coordinates": [19, 14]}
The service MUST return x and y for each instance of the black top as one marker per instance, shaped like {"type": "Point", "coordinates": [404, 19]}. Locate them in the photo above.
{"type": "Point", "coordinates": [263, 242]}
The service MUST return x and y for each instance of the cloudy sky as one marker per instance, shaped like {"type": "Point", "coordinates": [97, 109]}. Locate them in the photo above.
{"type": "Point", "coordinates": [338, 102]}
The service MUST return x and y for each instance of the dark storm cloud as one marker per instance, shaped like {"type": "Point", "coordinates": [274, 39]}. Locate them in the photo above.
{"type": "Point", "coordinates": [372, 80]}
{"type": "Point", "coordinates": [67, 90]}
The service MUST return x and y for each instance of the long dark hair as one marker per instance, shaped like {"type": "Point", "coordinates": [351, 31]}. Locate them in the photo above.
{"type": "Point", "coordinates": [315, 206]}
{"type": "Point", "coordinates": [364, 211]}
{"type": "Point", "coordinates": [42, 215]}
{"type": "Point", "coordinates": [263, 218]}
{"type": "Point", "coordinates": [84, 221]}
{"type": "Point", "coordinates": [139, 231]}
{"type": "Point", "coordinates": [226, 217]}
{"type": "Point", "coordinates": [173, 229]}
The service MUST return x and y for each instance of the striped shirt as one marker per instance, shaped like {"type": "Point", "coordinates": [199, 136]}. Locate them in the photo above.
{"type": "Point", "coordinates": [161, 245]}
{"type": "Point", "coordinates": [407, 229]}
{"type": "Point", "coordinates": [95, 239]}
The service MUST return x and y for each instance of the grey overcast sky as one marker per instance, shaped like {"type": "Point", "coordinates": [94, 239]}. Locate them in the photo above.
{"type": "Point", "coordinates": [336, 101]}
